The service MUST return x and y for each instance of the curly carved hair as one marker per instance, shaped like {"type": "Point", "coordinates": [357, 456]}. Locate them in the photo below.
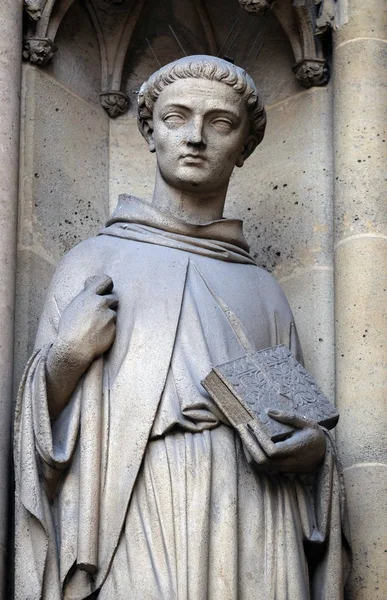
{"type": "Point", "coordinates": [203, 67]}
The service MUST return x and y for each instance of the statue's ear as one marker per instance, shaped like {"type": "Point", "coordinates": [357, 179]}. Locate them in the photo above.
{"type": "Point", "coordinates": [146, 126]}
{"type": "Point", "coordinates": [248, 148]}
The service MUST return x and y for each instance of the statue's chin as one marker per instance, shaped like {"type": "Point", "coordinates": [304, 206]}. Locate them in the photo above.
{"type": "Point", "coordinates": [201, 178]}
{"type": "Point", "coordinates": [189, 179]}
{"type": "Point", "coordinates": [190, 184]}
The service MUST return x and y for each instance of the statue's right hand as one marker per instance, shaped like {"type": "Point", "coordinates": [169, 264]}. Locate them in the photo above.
{"type": "Point", "coordinates": [87, 327]}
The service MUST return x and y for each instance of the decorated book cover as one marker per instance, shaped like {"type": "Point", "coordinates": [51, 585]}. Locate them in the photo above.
{"type": "Point", "coordinates": [248, 387]}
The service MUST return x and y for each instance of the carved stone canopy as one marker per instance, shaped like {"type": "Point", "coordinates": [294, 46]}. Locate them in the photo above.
{"type": "Point", "coordinates": [115, 22]}
{"type": "Point", "coordinates": [303, 22]}
{"type": "Point", "coordinates": [114, 29]}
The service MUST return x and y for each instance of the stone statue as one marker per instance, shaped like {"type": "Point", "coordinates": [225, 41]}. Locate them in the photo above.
{"type": "Point", "coordinates": [129, 481]}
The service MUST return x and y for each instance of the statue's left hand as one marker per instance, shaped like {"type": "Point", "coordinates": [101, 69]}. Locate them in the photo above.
{"type": "Point", "coordinates": [301, 452]}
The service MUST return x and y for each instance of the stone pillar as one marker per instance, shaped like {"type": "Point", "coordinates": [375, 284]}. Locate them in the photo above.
{"type": "Point", "coordinates": [360, 140]}
{"type": "Point", "coordinates": [10, 67]}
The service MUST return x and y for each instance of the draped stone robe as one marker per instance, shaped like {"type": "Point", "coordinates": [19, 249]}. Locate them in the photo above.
{"type": "Point", "coordinates": [182, 512]}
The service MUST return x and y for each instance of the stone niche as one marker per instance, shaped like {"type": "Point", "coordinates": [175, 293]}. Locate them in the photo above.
{"type": "Point", "coordinates": [77, 157]}
{"type": "Point", "coordinates": [84, 63]}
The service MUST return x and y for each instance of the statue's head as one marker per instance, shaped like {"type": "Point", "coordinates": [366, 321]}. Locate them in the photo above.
{"type": "Point", "coordinates": [202, 116]}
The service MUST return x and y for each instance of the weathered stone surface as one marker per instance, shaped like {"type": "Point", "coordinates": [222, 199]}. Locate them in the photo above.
{"type": "Point", "coordinates": [368, 529]}
{"type": "Point", "coordinates": [366, 19]}
{"type": "Point", "coordinates": [132, 166]}
{"type": "Point", "coordinates": [284, 195]}
{"type": "Point", "coordinates": [360, 85]}
{"type": "Point", "coordinates": [293, 240]}
{"type": "Point", "coordinates": [65, 167]}
{"type": "Point", "coordinates": [272, 70]}
{"type": "Point", "coordinates": [39, 51]}
{"type": "Point", "coordinates": [115, 103]}
{"type": "Point", "coordinates": [310, 295]}
{"type": "Point", "coordinates": [284, 190]}
{"type": "Point", "coordinates": [77, 63]}
{"type": "Point", "coordinates": [269, 62]}
{"type": "Point", "coordinates": [361, 351]}
{"type": "Point", "coordinates": [34, 273]}
{"type": "Point", "coordinates": [360, 102]}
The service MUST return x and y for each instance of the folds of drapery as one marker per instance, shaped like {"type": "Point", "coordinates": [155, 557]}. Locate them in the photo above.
{"type": "Point", "coordinates": [48, 460]}
{"type": "Point", "coordinates": [150, 282]}
{"type": "Point", "coordinates": [205, 524]}
{"type": "Point", "coordinates": [48, 465]}
{"type": "Point", "coordinates": [42, 455]}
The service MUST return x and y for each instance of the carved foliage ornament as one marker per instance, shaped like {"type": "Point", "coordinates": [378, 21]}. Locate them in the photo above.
{"type": "Point", "coordinates": [310, 72]}
{"type": "Point", "coordinates": [115, 103]}
{"type": "Point", "coordinates": [39, 51]}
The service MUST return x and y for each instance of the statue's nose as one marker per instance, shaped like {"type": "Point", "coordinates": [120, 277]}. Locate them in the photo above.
{"type": "Point", "coordinates": [195, 133]}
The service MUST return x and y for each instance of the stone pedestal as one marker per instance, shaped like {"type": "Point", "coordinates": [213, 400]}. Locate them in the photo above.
{"type": "Point", "coordinates": [360, 100]}
{"type": "Point", "coordinates": [10, 65]}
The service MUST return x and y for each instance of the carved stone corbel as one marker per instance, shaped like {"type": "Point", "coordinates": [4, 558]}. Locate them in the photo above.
{"type": "Point", "coordinates": [38, 47]}
{"type": "Point", "coordinates": [39, 51]}
{"type": "Point", "coordinates": [312, 71]}
{"type": "Point", "coordinates": [257, 7]}
{"type": "Point", "coordinates": [39, 44]}
{"type": "Point", "coordinates": [115, 103]}
{"type": "Point", "coordinates": [303, 21]}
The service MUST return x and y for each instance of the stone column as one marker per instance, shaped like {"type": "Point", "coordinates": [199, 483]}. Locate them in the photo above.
{"type": "Point", "coordinates": [360, 138]}
{"type": "Point", "coordinates": [10, 68]}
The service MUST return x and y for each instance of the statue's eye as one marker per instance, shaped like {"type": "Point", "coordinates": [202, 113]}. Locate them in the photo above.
{"type": "Point", "coordinates": [174, 119]}
{"type": "Point", "coordinates": [222, 125]}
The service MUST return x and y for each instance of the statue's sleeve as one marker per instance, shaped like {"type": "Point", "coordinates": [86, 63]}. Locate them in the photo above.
{"type": "Point", "coordinates": [324, 521]}
{"type": "Point", "coordinates": [42, 453]}
{"type": "Point", "coordinates": [53, 444]}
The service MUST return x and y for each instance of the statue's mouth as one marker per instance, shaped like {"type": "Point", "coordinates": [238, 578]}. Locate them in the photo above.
{"type": "Point", "coordinates": [196, 158]}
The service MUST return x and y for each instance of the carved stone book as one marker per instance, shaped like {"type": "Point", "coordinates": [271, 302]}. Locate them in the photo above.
{"type": "Point", "coordinates": [248, 387]}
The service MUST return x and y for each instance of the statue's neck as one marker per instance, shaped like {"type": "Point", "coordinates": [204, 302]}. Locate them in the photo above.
{"type": "Point", "coordinates": [195, 208]}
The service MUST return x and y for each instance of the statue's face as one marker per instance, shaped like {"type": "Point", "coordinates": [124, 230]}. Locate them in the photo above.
{"type": "Point", "coordinates": [200, 130]}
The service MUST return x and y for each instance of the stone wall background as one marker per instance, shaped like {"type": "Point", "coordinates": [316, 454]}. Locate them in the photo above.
{"type": "Point", "coordinates": [312, 198]}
